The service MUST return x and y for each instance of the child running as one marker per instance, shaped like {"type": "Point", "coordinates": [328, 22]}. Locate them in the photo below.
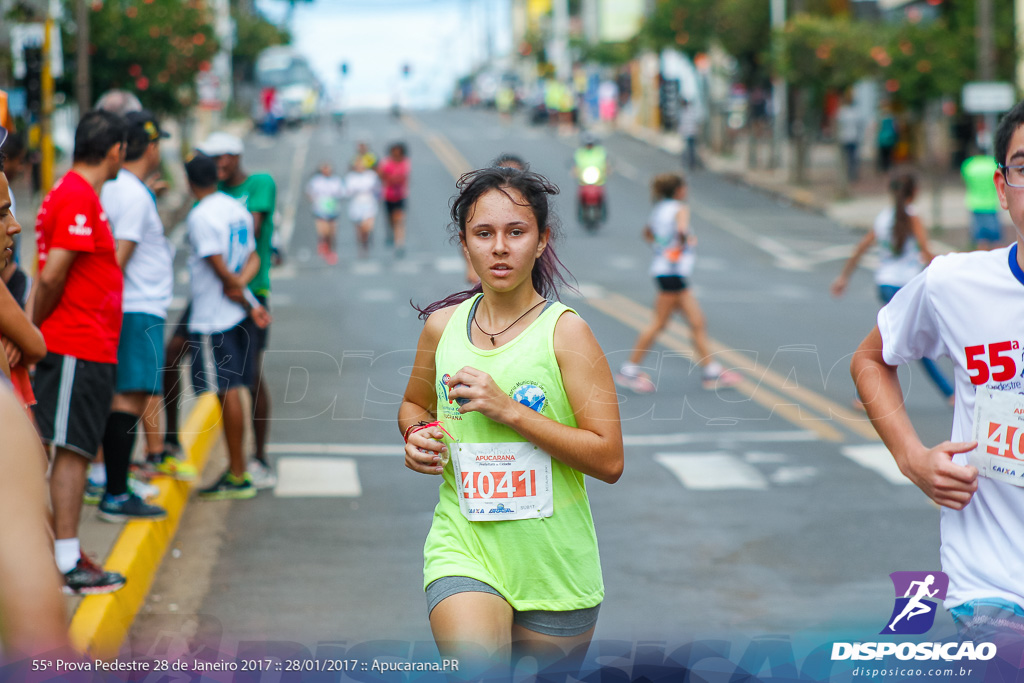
{"type": "Point", "coordinates": [511, 402]}
{"type": "Point", "coordinates": [904, 242]}
{"type": "Point", "coordinates": [324, 191]}
{"type": "Point", "coordinates": [668, 231]}
{"type": "Point", "coordinates": [362, 187]}
{"type": "Point", "coordinates": [968, 307]}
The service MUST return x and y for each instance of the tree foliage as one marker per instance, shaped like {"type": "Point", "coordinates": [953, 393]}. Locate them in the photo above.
{"type": "Point", "coordinates": [825, 53]}
{"type": "Point", "coordinates": [253, 34]}
{"type": "Point", "coordinates": [922, 62]}
{"type": "Point", "coordinates": [686, 25]}
{"type": "Point", "coordinates": [154, 48]}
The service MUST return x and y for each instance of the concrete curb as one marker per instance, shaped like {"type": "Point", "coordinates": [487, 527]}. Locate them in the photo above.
{"type": "Point", "coordinates": [101, 622]}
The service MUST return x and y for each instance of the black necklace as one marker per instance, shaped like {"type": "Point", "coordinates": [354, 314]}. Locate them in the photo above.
{"type": "Point", "coordinates": [498, 334]}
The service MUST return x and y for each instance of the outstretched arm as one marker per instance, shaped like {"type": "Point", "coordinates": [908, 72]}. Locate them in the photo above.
{"type": "Point", "coordinates": [839, 284]}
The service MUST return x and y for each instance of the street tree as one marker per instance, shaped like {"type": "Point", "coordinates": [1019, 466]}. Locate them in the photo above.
{"type": "Point", "coordinates": [154, 48]}
{"type": "Point", "coordinates": [818, 55]}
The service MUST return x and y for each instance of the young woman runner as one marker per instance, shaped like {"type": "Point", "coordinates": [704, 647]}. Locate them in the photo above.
{"type": "Point", "coordinates": [511, 402]}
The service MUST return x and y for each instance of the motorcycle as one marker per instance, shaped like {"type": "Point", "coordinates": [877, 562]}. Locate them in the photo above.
{"type": "Point", "coordinates": [590, 205]}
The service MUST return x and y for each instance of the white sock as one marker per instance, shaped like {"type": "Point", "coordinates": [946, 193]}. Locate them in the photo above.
{"type": "Point", "coordinates": [98, 474]}
{"type": "Point", "coordinates": [67, 551]}
{"type": "Point", "coordinates": [630, 370]}
{"type": "Point", "coordinates": [713, 369]}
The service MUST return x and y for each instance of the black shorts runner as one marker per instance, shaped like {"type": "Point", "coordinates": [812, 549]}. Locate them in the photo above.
{"type": "Point", "coordinates": [73, 402]}
{"type": "Point", "coordinates": [671, 283]}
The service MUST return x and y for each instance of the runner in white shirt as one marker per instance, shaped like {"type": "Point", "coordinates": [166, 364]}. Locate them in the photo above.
{"type": "Point", "coordinates": [147, 259]}
{"type": "Point", "coordinates": [222, 262]}
{"type": "Point", "coordinates": [668, 232]}
{"type": "Point", "coordinates": [969, 307]}
{"type": "Point", "coordinates": [903, 254]}
{"type": "Point", "coordinates": [362, 187]}
{"type": "Point", "coordinates": [325, 191]}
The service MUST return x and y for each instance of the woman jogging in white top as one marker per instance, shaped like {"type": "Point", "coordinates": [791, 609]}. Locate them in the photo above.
{"type": "Point", "coordinates": [904, 253]}
{"type": "Point", "coordinates": [325, 191]}
{"type": "Point", "coordinates": [668, 231]}
{"type": "Point", "coordinates": [362, 187]}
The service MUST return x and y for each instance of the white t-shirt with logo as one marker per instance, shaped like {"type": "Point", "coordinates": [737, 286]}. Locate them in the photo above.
{"type": "Point", "coordinates": [670, 256]}
{"type": "Point", "coordinates": [149, 273]}
{"type": "Point", "coordinates": [969, 307]}
{"type": "Point", "coordinates": [325, 192]}
{"type": "Point", "coordinates": [896, 270]}
{"type": "Point", "coordinates": [217, 225]}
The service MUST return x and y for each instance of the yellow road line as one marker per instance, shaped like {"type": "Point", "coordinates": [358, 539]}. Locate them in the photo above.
{"type": "Point", "coordinates": [612, 305]}
{"type": "Point", "coordinates": [811, 400]}
{"type": "Point", "coordinates": [676, 336]}
{"type": "Point", "coordinates": [101, 622]}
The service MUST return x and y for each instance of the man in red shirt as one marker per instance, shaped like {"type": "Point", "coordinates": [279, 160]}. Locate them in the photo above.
{"type": "Point", "coordinates": [78, 309]}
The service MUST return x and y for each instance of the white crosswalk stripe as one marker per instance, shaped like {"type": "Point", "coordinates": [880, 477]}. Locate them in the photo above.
{"type": "Point", "coordinates": [712, 471]}
{"type": "Point", "coordinates": [876, 457]}
{"type": "Point", "coordinates": [299, 477]}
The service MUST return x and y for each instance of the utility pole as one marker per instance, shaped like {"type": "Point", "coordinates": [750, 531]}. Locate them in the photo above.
{"type": "Point", "coordinates": [560, 39]}
{"type": "Point", "coordinates": [986, 59]}
{"type": "Point", "coordinates": [83, 91]}
{"type": "Point", "coordinates": [780, 95]}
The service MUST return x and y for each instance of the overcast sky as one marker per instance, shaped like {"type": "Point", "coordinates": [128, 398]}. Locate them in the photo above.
{"type": "Point", "coordinates": [439, 39]}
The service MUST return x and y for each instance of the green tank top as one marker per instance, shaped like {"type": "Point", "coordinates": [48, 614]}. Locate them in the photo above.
{"type": "Point", "coordinates": [547, 563]}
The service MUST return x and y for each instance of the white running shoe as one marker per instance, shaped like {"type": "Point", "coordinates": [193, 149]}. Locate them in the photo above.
{"type": "Point", "coordinates": [143, 490]}
{"type": "Point", "coordinates": [263, 477]}
{"type": "Point", "coordinates": [640, 382]}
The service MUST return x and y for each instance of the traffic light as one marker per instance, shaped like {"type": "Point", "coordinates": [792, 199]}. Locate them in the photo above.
{"type": "Point", "coordinates": [406, 70]}
{"type": "Point", "coordinates": [33, 80]}
{"type": "Point", "coordinates": [344, 68]}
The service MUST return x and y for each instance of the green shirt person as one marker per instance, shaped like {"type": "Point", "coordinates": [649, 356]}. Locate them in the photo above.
{"type": "Point", "coordinates": [981, 199]}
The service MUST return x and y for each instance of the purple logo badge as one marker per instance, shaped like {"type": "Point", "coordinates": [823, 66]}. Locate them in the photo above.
{"type": "Point", "coordinates": [917, 595]}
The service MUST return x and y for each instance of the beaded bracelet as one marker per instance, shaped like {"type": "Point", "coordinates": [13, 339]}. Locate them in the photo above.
{"type": "Point", "coordinates": [419, 426]}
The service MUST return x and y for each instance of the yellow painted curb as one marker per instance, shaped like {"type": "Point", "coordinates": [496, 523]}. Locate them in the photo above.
{"type": "Point", "coordinates": [101, 622]}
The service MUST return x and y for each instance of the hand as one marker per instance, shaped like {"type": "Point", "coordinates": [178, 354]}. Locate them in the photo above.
{"type": "Point", "coordinates": [933, 471]}
{"type": "Point", "coordinates": [261, 316]}
{"type": "Point", "coordinates": [838, 286]}
{"type": "Point", "coordinates": [13, 352]}
{"type": "Point", "coordinates": [485, 397]}
{"type": "Point", "coordinates": [423, 451]}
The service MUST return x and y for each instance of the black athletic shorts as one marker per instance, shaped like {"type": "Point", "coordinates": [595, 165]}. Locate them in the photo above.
{"type": "Point", "coordinates": [394, 206]}
{"type": "Point", "coordinates": [73, 402]}
{"type": "Point", "coordinates": [221, 360]}
{"type": "Point", "coordinates": [671, 283]}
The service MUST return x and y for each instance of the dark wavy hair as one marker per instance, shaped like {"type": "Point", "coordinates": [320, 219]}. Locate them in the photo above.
{"type": "Point", "coordinates": [549, 273]}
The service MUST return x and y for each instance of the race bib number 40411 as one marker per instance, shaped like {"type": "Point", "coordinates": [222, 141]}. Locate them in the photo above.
{"type": "Point", "coordinates": [999, 431]}
{"type": "Point", "coordinates": [503, 481]}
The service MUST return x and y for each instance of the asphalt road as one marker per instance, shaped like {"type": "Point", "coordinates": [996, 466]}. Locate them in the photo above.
{"type": "Point", "coordinates": [767, 509]}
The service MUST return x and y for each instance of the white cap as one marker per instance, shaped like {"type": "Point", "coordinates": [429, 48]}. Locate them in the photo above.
{"type": "Point", "coordinates": [221, 143]}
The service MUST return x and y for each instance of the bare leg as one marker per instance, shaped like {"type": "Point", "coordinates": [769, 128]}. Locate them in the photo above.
{"type": "Point", "coordinates": [398, 226]}
{"type": "Point", "coordinates": [234, 430]}
{"type": "Point", "coordinates": [151, 425]}
{"type": "Point", "coordinates": [567, 652]}
{"type": "Point", "coordinates": [172, 386]}
{"type": "Point", "coordinates": [260, 412]}
{"type": "Point", "coordinates": [691, 310]}
{"type": "Point", "coordinates": [475, 629]}
{"type": "Point", "coordinates": [67, 486]}
{"type": "Point", "coordinates": [664, 305]}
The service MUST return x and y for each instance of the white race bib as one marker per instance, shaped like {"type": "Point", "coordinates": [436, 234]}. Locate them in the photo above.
{"type": "Point", "coordinates": [501, 481]}
{"type": "Point", "coordinates": [999, 431]}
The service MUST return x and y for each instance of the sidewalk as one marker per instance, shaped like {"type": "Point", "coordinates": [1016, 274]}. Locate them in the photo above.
{"type": "Point", "coordinates": [942, 209]}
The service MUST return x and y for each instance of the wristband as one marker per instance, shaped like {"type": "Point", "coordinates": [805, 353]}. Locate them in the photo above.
{"type": "Point", "coordinates": [419, 426]}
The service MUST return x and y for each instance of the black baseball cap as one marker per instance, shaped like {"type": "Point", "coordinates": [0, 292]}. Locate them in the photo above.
{"type": "Point", "coordinates": [143, 127]}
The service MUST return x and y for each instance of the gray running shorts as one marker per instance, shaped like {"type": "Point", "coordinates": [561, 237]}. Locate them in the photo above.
{"type": "Point", "coordinates": [569, 623]}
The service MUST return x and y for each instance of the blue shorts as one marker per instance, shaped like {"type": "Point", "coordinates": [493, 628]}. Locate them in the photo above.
{"type": "Point", "coordinates": [564, 624]}
{"type": "Point", "coordinates": [988, 618]}
{"type": "Point", "coordinates": [985, 226]}
{"type": "Point", "coordinates": [221, 360]}
{"type": "Point", "coordinates": [140, 354]}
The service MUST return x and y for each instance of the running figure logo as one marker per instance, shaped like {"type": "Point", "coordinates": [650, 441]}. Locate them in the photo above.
{"type": "Point", "coordinates": [914, 612]}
